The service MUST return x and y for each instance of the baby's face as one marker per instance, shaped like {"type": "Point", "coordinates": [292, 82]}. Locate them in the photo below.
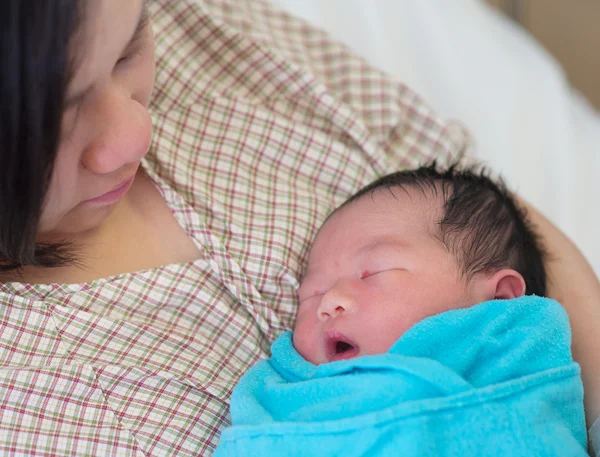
{"type": "Point", "coordinates": [373, 272]}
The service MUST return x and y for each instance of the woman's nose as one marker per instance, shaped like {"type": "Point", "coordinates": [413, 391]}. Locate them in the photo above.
{"type": "Point", "coordinates": [122, 133]}
{"type": "Point", "coordinates": [337, 301]}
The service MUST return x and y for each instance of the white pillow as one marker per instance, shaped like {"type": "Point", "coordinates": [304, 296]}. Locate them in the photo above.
{"type": "Point", "coordinates": [471, 63]}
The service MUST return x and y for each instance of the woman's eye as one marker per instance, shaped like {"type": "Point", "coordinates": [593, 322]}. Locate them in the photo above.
{"type": "Point", "coordinates": [127, 58]}
{"type": "Point", "coordinates": [140, 46]}
{"type": "Point", "coordinates": [133, 54]}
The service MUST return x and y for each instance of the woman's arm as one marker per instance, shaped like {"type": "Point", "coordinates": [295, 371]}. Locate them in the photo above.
{"type": "Point", "coordinates": [573, 283]}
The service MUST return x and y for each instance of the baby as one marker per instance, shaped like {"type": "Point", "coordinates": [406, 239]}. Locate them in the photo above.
{"type": "Point", "coordinates": [415, 290]}
{"type": "Point", "coordinates": [411, 245]}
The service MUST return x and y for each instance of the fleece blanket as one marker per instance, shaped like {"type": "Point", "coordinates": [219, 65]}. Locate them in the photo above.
{"type": "Point", "coordinates": [494, 379]}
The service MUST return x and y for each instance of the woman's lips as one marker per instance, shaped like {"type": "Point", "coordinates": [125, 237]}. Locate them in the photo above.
{"type": "Point", "coordinates": [338, 346]}
{"type": "Point", "coordinates": [112, 196]}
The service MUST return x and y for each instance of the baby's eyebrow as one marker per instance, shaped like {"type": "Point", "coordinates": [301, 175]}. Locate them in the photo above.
{"type": "Point", "coordinates": [385, 243]}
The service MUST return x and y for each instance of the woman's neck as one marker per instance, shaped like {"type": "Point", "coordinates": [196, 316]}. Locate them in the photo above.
{"type": "Point", "coordinates": [140, 234]}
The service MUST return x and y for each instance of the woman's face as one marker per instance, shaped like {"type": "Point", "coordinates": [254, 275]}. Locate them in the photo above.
{"type": "Point", "coordinates": [106, 126]}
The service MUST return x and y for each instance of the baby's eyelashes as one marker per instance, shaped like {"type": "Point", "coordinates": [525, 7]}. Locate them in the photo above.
{"type": "Point", "coordinates": [305, 293]}
{"type": "Point", "coordinates": [365, 274]}
{"type": "Point", "coordinates": [316, 293]}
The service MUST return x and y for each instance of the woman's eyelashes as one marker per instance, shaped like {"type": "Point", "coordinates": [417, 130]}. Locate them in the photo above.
{"type": "Point", "coordinates": [138, 44]}
{"type": "Point", "coordinates": [134, 53]}
{"type": "Point", "coordinates": [127, 58]}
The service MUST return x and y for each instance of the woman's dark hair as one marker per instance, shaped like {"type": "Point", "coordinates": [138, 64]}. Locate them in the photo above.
{"type": "Point", "coordinates": [36, 63]}
{"type": "Point", "coordinates": [481, 223]}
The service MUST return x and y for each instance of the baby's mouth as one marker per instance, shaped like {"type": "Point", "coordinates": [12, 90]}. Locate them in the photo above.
{"type": "Point", "coordinates": [338, 346]}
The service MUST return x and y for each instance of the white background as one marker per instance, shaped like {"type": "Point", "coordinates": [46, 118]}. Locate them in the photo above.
{"type": "Point", "coordinates": [472, 64]}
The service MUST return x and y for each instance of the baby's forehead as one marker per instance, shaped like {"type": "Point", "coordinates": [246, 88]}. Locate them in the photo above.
{"type": "Point", "coordinates": [404, 203]}
{"type": "Point", "coordinates": [395, 210]}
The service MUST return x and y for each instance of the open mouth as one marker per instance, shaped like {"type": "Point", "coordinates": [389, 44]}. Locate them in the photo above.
{"type": "Point", "coordinates": [339, 347]}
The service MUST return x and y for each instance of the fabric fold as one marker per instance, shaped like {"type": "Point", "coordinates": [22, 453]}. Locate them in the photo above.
{"type": "Point", "coordinates": [494, 379]}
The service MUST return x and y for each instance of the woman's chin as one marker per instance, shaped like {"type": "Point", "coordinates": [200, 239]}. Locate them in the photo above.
{"type": "Point", "coordinates": [79, 222]}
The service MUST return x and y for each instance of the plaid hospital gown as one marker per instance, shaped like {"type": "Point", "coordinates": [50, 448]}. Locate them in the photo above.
{"type": "Point", "coordinates": [262, 125]}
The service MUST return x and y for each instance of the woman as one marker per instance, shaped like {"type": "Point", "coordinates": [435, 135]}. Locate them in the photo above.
{"type": "Point", "coordinates": [137, 288]}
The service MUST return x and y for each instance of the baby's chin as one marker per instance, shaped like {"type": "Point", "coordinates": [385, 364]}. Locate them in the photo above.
{"type": "Point", "coordinates": [315, 360]}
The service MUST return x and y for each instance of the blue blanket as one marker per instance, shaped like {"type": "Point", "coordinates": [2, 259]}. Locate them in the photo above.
{"type": "Point", "coordinates": [494, 379]}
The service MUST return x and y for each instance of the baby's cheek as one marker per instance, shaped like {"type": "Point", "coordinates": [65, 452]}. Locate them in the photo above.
{"type": "Point", "coordinates": [305, 339]}
{"type": "Point", "coordinates": [303, 346]}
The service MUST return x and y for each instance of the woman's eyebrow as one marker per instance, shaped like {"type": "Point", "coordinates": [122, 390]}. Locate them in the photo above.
{"type": "Point", "coordinates": [144, 18]}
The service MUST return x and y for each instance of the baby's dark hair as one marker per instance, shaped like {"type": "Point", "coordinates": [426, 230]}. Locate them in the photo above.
{"type": "Point", "coordinates": [481, 223]}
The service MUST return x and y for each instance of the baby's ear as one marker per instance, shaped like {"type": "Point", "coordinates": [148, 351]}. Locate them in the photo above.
{"type": "Point", "coordinates": [508, 284]}
{"type": "Point", "coordinates": [504, 284]}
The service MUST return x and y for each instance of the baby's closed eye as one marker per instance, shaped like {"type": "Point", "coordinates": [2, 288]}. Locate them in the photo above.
{"type": "Point", "coordinates": [306, 292]}
{"type": "Point", "coordinates": [366, 274]}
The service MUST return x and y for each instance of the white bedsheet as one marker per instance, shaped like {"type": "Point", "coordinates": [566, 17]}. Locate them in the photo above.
{"type": "Point", "coordinates": [472, 64]}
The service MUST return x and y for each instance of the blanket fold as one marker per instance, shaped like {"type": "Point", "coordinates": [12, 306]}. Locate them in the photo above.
{"type": "Point", "coordinates": [494, 379]}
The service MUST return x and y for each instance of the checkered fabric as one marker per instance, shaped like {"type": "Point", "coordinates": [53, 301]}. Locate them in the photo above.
{"type": "Point", "coordinates": [262, 125]}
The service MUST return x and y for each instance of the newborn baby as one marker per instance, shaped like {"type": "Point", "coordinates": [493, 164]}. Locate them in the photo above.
{"type": "Point", "coordinates": [414, 334]}
{"type": "Point", "coordinates": [408, 246]}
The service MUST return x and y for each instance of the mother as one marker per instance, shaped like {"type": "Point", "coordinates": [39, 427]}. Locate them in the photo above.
{"type": "Point", "coordinates": [137, 288]}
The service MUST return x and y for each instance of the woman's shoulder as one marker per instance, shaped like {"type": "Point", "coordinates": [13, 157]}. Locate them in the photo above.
{"type": "Point", "coordinates": [244, 67]}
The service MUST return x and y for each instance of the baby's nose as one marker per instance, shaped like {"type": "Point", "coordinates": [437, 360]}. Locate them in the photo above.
{"type": "Point", "coordinates": [334, 303]}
